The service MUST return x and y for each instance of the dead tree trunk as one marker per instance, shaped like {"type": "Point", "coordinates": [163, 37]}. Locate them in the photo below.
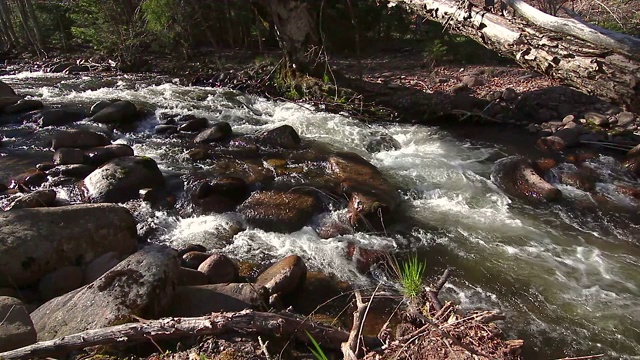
{"type": "Point", "coordinates": [594, 60]}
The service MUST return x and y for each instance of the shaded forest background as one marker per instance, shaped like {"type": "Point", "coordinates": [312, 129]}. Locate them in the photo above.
{"type": "Point", "coordinates": [123, 29]}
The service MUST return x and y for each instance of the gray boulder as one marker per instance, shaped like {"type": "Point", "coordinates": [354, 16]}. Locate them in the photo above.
{"type": "Point", "coordinates": [120, 112]}
{"type": "Point", "coordinates": [36, 199]}
{"type": "Point", "coordinates": [121, 179]}
{"type": "Point", "coordinates": [17, 329]}
{"type": "Point", "coordinates": [35, 242]}
{"type": "Point", "coordinates": [142, 285]}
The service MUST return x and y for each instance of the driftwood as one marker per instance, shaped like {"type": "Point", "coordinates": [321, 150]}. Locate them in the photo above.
{"type": "Point", "coordinates": [432, 294]}
{"type": "Point", "coordinates": [595, 60]}
{"type": "Point", "coordinates": [245, 322]}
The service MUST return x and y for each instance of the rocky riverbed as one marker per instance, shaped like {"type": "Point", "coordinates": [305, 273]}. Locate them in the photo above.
{"type": "Point", "coordinates": [233, 185]}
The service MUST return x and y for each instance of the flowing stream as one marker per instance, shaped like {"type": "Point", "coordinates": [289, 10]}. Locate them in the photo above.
{"type": "Point", "coordinates": [566, 277]}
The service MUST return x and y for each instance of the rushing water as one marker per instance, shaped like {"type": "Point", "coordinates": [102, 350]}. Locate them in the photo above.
{"type": "Point", "coordinates": [566, 277]}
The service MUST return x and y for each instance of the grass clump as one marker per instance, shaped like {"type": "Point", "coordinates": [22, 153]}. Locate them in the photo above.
{"type": "Point", "coordinates": [317, 351]}
{"type": "Point", "coordinates": [411, 276]}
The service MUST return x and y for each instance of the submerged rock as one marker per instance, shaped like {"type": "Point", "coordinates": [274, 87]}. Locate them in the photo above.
{"type": "Point", "coordinates": [142, 285]}
{"type": "Point", "coordinates": [35, 242]}
{"type": "Point", "coordinates": [279, 211]}
{"type": "Point", "coordinates": [518, 177]}
{"type": "Point", "coordinates": [120, 180]}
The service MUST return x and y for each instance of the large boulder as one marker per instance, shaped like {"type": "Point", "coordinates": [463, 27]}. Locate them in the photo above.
{"type": "Point", "coordinates": [120, 112]}
{"type": "Point", "coordinates": [121, 179]}
{"type": "Point", "coordinates": [372, 197]}
{"type": "Point", "coordinates": [16, 327]}
{"type": "Point", "coordinates": [283, 136]}
{"type": "Point", "coordinates": [100, 155]}
{"type": "Point", "coordinates": [142, 285]}
{"type": "Point", "coordinates": [24, 105]}
{"type": "Point", "coordinates": [520, 178]}
{"type": "Point", "coordinates": [205, 299]}
{"type": "Point", "coordinates": [279, 210]}
{"type": "Point", "coordinates": [217, 132]}
{"type": "Point", "coordinates": [36, 199]}
{"type": "Point", "coordinates": [6, 90]}
{"type": "Point", "coordinates": [284, 276]}
{"type": "Point", "coordinates": [216, 195]}
{"type": "Point", "coordinates": [35, 242]}
{"type": "Point", "coordinates": [219, 269]}
{"type": "Point", "coordinates": [57, 117]}
{"type": "Point", "coordinates": [81, 139]}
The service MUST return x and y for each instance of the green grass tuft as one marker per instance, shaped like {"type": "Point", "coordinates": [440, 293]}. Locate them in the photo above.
{"type": "Point", "coordinates": [411, 276]}
{"type": "Point", "coordinates": [317, 350]}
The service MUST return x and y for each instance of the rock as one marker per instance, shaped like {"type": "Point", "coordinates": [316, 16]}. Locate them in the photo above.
{"type": "Point", "coordinates": [382, 142]}
{"type": "Point", "coordinates": [78, 171]}
{"type": "Point", "coordinates": [569, 118]}
{"type": "Point", "coordinates": [283, 136]}
{"type": "Point", "coordinates": [3, 188]}
{"type": "Point", "coordinates": [551, 143]}
{"type": "Point", "coordinates": [6, 90]}
{"type": "Point", "coordinates": [35, 242]}
{"type": "Point", "coordinates": [10, 292]}
{"type": "Point", "coordinates": [320, 294]}
{"type": "Point", "coordinates": [100, 105]}
{"type": "Point", "coordinates": [279, 211]}
{"type": "Point", "coordinates": [7, 101]}
{"type": "Point", "coordinates": [634, 152]}
{"type": "Point", "coordinates": [100, 155]}
{"type": "Point", "coordinates": [625, 119]}
{"type": "Point", "coordinates": [473, 81]}
{"type": "Point", "coordinates": [533, 128]}
{"type": "Point", "coordinates": [142, 285]}
{"type": "Point", "coordinates": [596, 118]}
{"type": "Point", "coordinates": [371, 195]}
{"type": "Point", "coordinates": [570, 135]}
{"type": "Point", "coordinates": [194, 125]}
{"type": "Point", "coordinates": [31, 179]}
{"type": "Point", "coordinates": [100, 265]}
{"type": "Point", "coordinates": [120, 112]}
{"type": "Point", "coordinates": [60, 67]}
{"type": "Point", "coordinates": [57, 117]}
{"type": "Point", "coordinates": [284, 276]}
{"type": "Point", "coordinates": [68, 156]}
{"type": "Point", "coordinates": [45, 166]}
{"type": "Point", "coordinates": [509, 94]}
{"type": "Point", "coordinates": [205, 299]}
{"type": "Point", "coordinates": [216, 196]}
{"type": "Point", "coordinates": [76, 69]}
{"type": "Point", "coordinates": [36, 199]}
{"type": "Point", "coordinates": [166, 129]}
{"type": "Point", "coordinates": [17, 329]}
{"type": "Point", "coordinates": [23, 106]}
{"type": "Point", "coordinates": [60, 282]}
{"type": "Point", "coordinates": [581, 179]}
{"type": "Point", "coordinates": [121, 179]}
{"type": "Point", "coordinates": [190, 277]}
{"type": "Point", "coordinates": [193, 259]}
{"type": "Point", "coordinates": [219, 269]}
{"type": "Point", "coordinates": [518, 177]}
{"type": "Point", "coordinates": [219, 131]}
{"type": "Point", "coordinates": [191, 247]}
{"type": "Point", "coordinates": [82, 139]}
{"type": "Point", "coordinates": [546, 164]}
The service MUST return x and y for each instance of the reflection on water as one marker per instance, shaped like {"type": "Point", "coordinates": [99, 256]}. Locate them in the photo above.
{"type": "Point", "coordinates": [566, 275]}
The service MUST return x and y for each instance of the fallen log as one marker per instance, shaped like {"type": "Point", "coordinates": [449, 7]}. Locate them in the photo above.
{"type": "Point", "coordinates": [245, 322]}
{"type": "Point", "coordinates": [594, 60]}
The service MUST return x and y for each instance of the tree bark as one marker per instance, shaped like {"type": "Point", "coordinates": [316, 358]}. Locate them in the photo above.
{"type": "Point", "coordinates": [6, 21]}
{"type": "Point", "coordinates": [594, 60]}
{"type": "Point", "coordinates": [246, 322]}
{"type": "Point", "coordinates": [22, 11]}
{"type": "Point", "coordinates": [36, 24]}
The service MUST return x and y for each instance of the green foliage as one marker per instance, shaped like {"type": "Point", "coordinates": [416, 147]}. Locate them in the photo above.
{"type": "Point", "coordinates": [317, 350]}
{"type": "Point", "coordinates": [411, 275]}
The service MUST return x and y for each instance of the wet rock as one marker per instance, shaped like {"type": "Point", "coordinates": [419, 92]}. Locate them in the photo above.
{"type": "Point", "coordinates": [217, 195]}
{"type": "Point", "coordinates": [6, 90]}
{"type": "Point", "coordinates": [35, 242]}
{"type": "Point", "coordinates": [121, 179]}
{"type": "Point", "coordinates": [372, 197]}
{"type": "Point", "coordinates": [142, 285]}
{"type": "Point", "coordinates": [551, 143]}
{"type": "Point", "coordinates": [596, 118]}
{"type": "Point", "coordinates": [17, 329]}
{"type": "Point", "coordinates": [6, 101]}
{"type": "Point", "coordinates": [193, 259]}
{"type": "Point", "coordinates": [45, 166]}
{"type": "Point", "coordinates": [625, 119]}
{"type": "Point", "coordinates": [319, 294]}
{"type": "Point", "coordinates": [68, 156]}
{"type": "Point", "coordinates": [120, 112]}
{"type": "Point", "coordinates": [219, 131]}
{"type": "Point", "coordinates": [382, 142]}
{"type": "Point", "coordinates": [581, 178]}
{"type": "Point", "coordinates": [509, 94]}
{"type": "Point", "coordinates": [82, 139]}
{"type": "Point", "coordinates": [166, 129]}
{"type": "Point", "coordinates": [100, 155]}
{"type": "Point", "coordinates": [190, 277]}
{"type": "Point", "coordinates": [36, 199]}
{"type": "Point", "coordinates": [58, 68]}
{"type": "Point", "coordinates": [364, 258]}
{"type": "Point", "coordinates": [57, 117]}
{"type": "Point", "coordinates": [634, 152]}
{"type": "Point", "coordinates": [219, 269]}
{"type": "Point", "coordinates": [205, 299]}
{"type": "Point", "coordinates": [78, 171]}
{"type": "Point", "coordinates": [545, 164]}
{"type": "Point", "coordinates": [24, 105]}
{"type": "Point", "coordinates": [191, 247]}
{"type": "Point", "coordinates": [279, 211]}
{"type": "Point", "coordinates": [100, 105]}
{"type": "Point", "coordinates": [283, 136]}
{"type": "Point", "coordinates": [518, 177]}
{"type": "Point", "coordinates": [31, 179]}
{"type": "Point", "coordinates": [194, 125]}
{"type": "Point", "coordinates": [74, 69]}
{"type": "Point", "coordinates": [60, 282]}
{"type": "Point", "coordinates": [284, 276]}
{"type": "Point", "coordinates": [570, 135]}
{"type": "Point", "coordinates": [100, 265]}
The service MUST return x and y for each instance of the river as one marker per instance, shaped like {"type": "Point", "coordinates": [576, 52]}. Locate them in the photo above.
{"type": "Point", "coordinates": [567, 278]}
